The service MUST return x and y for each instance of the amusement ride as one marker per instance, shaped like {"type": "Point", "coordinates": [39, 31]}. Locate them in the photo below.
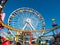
{"type": "Point", "coordinates": [25, 25]}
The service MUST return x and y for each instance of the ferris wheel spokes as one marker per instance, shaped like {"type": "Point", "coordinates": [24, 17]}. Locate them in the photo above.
{"type": "Point", "coordinates": [31, 26]}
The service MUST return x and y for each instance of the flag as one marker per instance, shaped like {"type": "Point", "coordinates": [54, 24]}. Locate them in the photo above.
{"type": "Point", "coordinates": [3, 16]}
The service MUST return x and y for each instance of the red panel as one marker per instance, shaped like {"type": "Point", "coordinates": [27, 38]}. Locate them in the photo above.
{"type": "Point", "coordinates": [6, 43]}
{"type": "Point", "coordinates": [30, 37]}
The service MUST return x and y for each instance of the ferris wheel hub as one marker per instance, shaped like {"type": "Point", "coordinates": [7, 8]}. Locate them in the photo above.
{"type": "Point", "coordinates": [28, 20]}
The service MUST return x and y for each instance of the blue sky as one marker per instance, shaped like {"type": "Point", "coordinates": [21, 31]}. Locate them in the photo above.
{"type": "Point", "coordinates": [47, 8]}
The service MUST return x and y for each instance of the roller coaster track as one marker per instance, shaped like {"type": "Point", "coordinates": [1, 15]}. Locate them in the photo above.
{"type": "Point", "coordinates": [20, 30]}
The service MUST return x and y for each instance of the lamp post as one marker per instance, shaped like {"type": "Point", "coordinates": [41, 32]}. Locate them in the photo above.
{"type": "Point", "coordinates": [54, 24]}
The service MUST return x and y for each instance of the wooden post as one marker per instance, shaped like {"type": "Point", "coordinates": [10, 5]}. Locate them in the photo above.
{"type": "Point", "coordinates": [23, 37]}
{"type": "Point", "coordinates": [17, 37]}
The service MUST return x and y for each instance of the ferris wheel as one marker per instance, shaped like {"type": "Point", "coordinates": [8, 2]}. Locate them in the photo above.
{"type": "Point", "coordinates": [26, 19]}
